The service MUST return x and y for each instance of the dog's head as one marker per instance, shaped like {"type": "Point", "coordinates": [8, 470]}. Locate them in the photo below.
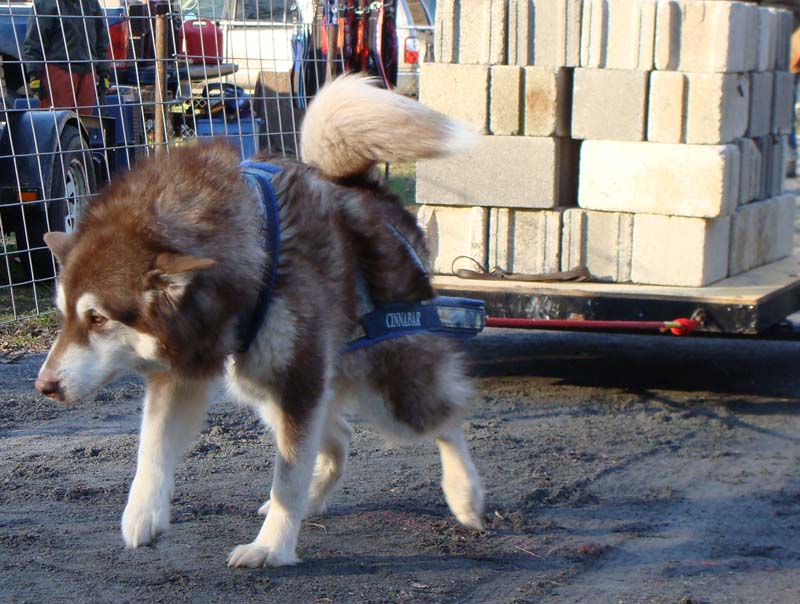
{"type": "Point", "coordinates": [159, 269]}
{"type": "Point", "coordinates": [117, 309]}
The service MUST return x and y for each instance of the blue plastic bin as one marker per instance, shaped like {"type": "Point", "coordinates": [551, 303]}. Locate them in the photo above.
{"type": "Point", "coordinates": [243, 133]}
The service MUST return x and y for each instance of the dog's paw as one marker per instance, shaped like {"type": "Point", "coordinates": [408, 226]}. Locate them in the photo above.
{"type": "Point", "coordinates": [142, 523]}
{"type": "Point", "coordinates": [264, 509]}
{"type": "Point", "coordinates": [254, 555]}
{"type": "Point", "coordinates": [470, 520]}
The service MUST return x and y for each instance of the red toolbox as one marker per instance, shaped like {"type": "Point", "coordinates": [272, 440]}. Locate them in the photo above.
{"type": "Point", "coordinates": [200, 41]}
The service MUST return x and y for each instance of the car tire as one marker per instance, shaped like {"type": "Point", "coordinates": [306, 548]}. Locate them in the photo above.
{"type": "Point", "coordinates": [72, 183]}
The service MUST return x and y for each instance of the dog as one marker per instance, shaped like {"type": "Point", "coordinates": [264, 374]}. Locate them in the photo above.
{"type": "Point", "coordinates": [170, 260]}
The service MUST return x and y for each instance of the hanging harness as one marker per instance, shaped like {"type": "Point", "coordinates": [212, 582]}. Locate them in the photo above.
{"type": "Point", "coordinates": [444, 315]}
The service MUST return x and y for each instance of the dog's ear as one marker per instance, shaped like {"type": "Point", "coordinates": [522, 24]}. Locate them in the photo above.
{"type": "Point", "coordinates": [173, 272]}
{"type": "Point", "coordinates": [60, 244]}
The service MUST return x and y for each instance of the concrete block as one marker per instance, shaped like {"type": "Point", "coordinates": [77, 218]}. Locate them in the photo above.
{"type": "Point", "coordinates": [706, 37]}
{"type": "Point", "coordinates": [544, 32]}
{"type": "Point", "coordinates": [503, 171]}
{"type": "Point", "coordinates": [618, 34]}
{"type": "Point", "coordinates": [761, 91]}
{"type": "Point", "coordinates": [698, 108]}
{"type": "Point", "coordinates": [750, 171]}
{"type": "Point", "coordinates": [783, 38]}
{"type": "Point", "coordinates": [667, 51]}
{"type": "Point", "coordinates": [547, 101]}
{"type": "Point", "coordinates": [783, 103]}
{"type": "Point", "coordinates": [773, 153]}
{"type": "Point", "coordinates": [718, 109]}
{"type": "Point", "coordinates": [521, 20]}
{"type": "Point", "coordinates": [609, 104]}
{"type": "Point", "coordinates": [505, 104]}
{"type": "Point", "coordinates": [680, 251]}
{"type": "Point", "coordinates": [451, 232]}
{"type": "Point", "coordinates": [601, 241]}
{"type": "Point", "coordinates": [681, 180]}
{"type": "Point", "coordinates": [766, 40]}
{"type": "Point", "coordinates": [482, 32]}
{"type": "Point", "coordinates": [525, 241]}
{"type": "Point", "coordinates": [762, 232]}
{"type": "Point", "coordinates": [778, 227]}
{"type": "Point", "coordinates": [460, 91]}
{"type": "Point", "coordinates": [445, 47]}
{"type": "Point", "coordinates": [666, 117]}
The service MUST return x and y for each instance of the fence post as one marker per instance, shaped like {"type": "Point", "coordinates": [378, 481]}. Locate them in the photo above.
{"type": "Point", "coordinates": [161, 76]}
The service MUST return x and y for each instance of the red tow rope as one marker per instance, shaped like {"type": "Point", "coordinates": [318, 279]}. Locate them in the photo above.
{"type": "Point", "coordinates": [678, 327]}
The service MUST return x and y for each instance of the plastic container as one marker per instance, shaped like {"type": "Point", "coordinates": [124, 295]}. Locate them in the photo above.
{"type": "Point", "coordinates": [243, 134]}
{"type": "Point", "coordinates": [200, 41]}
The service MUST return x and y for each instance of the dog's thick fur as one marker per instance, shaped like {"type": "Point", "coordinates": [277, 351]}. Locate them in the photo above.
{"type": "Point", "coordinates": [167, 262]}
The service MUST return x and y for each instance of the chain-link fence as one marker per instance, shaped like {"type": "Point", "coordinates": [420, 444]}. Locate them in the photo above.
{"type": "Point", "coordinates": [88, 89]}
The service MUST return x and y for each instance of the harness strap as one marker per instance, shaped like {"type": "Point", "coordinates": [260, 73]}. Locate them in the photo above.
{"type": "Point", "coordinates": [259, 175]}
{"type": "Point", "coordinates": [444, 315]}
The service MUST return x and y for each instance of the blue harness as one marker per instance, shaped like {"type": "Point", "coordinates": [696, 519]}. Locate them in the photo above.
{"type": "Point", "coordinates": [459, 317]}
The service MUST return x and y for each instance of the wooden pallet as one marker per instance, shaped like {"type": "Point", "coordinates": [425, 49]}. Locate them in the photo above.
{"type": "Point", "coordinates": [748, 303]}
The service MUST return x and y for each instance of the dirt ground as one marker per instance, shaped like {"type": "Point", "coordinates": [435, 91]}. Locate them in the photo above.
{"type": "Point", "coordinates": [619, 470]}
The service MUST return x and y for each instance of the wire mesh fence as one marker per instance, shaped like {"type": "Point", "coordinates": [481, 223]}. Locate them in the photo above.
{"type": "Point", "coordinates": [88, 88]}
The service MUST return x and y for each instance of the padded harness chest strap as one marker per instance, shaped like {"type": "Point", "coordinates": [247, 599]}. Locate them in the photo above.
{"type": "Point", "coordinates": [259, 176]}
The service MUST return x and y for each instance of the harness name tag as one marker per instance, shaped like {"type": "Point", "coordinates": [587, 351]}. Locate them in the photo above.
{"type": "Point", "coordinates": [403, 319]}
{"type": "Point", "coordinates": [395, 318]}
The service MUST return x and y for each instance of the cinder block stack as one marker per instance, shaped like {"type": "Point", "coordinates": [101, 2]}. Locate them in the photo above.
{"type": "Point", "coordinates": [505, 67]}
{"type": "Point", "coordinates": [645, 139]}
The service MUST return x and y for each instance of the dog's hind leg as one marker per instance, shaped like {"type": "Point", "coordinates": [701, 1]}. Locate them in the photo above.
{"type": "Point", "coordinates": [461, 484]}
{"type": "Point", "coordinates": [174, 412]}
{"type": "Point", "coordinates": [330, 464]}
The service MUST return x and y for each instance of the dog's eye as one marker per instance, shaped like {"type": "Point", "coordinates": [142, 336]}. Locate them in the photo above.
{"type": "Point", "coordinates": [96, 320]}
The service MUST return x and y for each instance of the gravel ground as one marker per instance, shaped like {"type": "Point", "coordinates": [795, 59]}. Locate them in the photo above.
{"type": "Point", "coordinates": [619, 470]}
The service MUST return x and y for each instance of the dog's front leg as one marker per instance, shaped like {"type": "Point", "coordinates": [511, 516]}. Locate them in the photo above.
{"type": "Point", "coordinates": [298, 431]}
{"type": "Point", "coordinates": [174, 411]}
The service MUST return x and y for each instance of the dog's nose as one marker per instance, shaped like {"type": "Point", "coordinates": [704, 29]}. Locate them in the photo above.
{"type": "Point", "coordinates": [47, 383]}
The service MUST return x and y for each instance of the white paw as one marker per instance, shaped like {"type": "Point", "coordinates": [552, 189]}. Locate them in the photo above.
{"type": "Point", "coordinates": [264, 509]}
{"type": "Point", "coordinates": [467, 505]}
{"type": "Point", "coordinates": [143, 521]}
{"type": "Point", "coordinates": [254, 555]}
{"type": "Point", "coordinates": [470, 520]}
{"type": "Point", "coordinates": [317, 508]}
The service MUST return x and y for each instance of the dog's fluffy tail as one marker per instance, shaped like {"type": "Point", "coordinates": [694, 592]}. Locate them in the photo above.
{"type": "Point", "coordinates": [351, 125]}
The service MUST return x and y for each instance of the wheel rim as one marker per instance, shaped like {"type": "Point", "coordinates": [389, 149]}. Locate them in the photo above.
{"type": "Point", "coordinates": [75, 191]}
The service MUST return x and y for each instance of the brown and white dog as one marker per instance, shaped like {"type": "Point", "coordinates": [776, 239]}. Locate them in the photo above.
{"type": "Point", "coordinates": [169, 259]}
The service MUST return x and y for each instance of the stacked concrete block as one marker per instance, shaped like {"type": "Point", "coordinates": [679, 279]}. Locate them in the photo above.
{"type": "Point", "coordinates": [639, 138]}
{"type": "Point", "coordinates": [507, 171]}
{"type": "Point", "coordinates": [773, 150]}
{"type": "Point", "coordinates": [609, 104]}
{"type": "Point", "coordinates": [471, 32]}
{"type": "Point", "coordinates": [525, 241]}
{"type": "Point", "coordinates": [679, 180]}
{"type": "Point", "coordinates": [762, 232]}
{"type": "Point", "coordinates": [546, 33]}
{"type": "Point", "coordinates": [547, 101]}
{"type": "Point", "coordinates": [534, 101]}
{"type": "Point", "coordinates": [706, 37]}
{"type": "Point", "coordinates": [618, 34]}
{"type": "Point", "coordinates": [600, 241]}
{"type": "Point", "coordinates": [460, 91]}
{"type": "Point", "coordinates": [698, 108]}
{"type": "Point", "coordinates": [782, 103]}
{"type": "Point", "coordinates": [751, 172]}
{"type": "Point", "coordinates": [451, 232]}
{"type": "Point", "coordinates": [505, 101]}
{"type": "Point", "coordinates": [761, 107]}
{"type": "Point", "coordinates": [680, 251]}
